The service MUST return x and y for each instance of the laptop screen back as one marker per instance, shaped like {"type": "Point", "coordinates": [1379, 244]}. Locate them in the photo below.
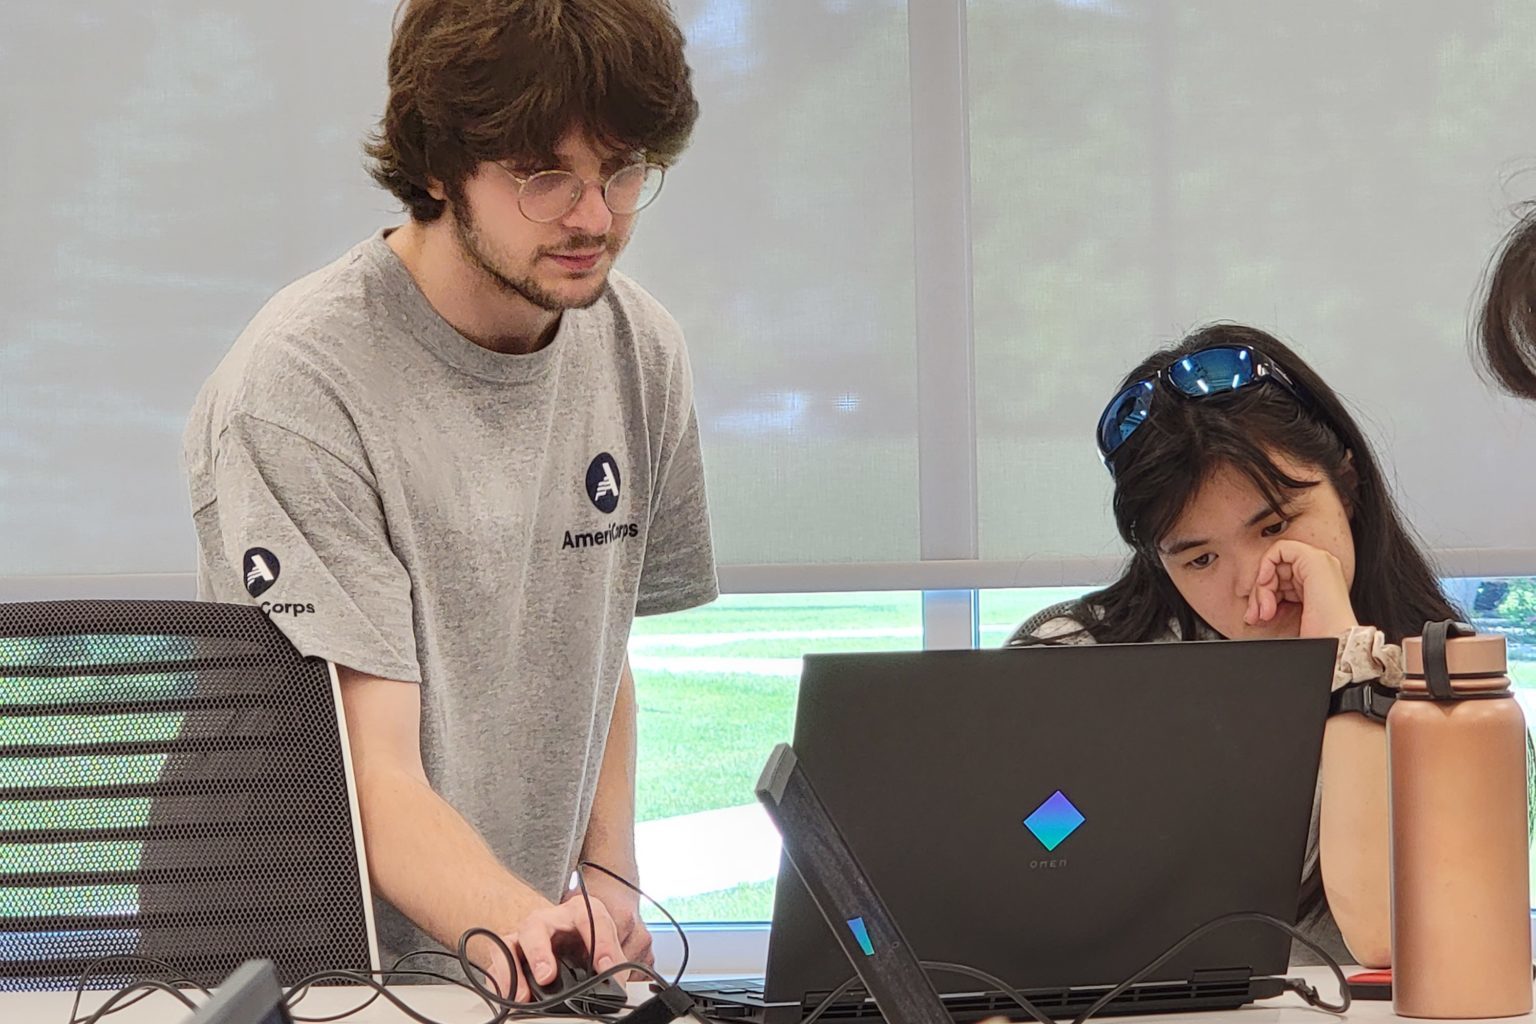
{"type": "Point", "coordinates": [1057, 816]}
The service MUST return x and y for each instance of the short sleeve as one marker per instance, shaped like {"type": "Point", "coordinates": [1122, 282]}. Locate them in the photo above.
{"type": "Point", "coordinates": [303, 534]}
{"type": "Point", "coordinates": [679, 568]}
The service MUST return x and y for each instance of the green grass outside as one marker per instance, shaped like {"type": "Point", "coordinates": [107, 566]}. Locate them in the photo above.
{"type": "Point", "coordinates": [751, 902]}
{"type": "Point", "coordinates": [902, 640]}
{"type": "Point", "coordinates": [703, 739]}
{"type": "Point", "coordinates": [743, 613]}
{"type": "Point", "coordinates": [703, 736]}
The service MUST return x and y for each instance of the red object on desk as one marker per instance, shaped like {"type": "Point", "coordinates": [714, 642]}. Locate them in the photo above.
{"type": "Point", "coordinates": [1370, 985]}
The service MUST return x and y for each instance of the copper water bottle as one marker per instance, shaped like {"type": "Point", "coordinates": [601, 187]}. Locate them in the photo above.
{"type": "Point", "coordinates": [1461, 936]}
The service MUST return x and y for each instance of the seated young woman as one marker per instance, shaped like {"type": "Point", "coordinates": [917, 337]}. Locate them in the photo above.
{"type": "Point", "coordinates": [1253, 507]}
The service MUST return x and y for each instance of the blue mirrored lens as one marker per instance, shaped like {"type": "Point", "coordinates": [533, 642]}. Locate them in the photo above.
{"type": "Point", "coordinates": [1212, 371]}
{"type": "Point", "coordinates": [1126, 411]}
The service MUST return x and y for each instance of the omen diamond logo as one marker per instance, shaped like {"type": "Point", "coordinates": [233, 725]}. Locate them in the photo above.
{"type": "Point", "coordinates": [1053, 821]}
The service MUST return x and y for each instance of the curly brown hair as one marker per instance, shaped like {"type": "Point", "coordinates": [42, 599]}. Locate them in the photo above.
{"type": "Point", "coordinates": [1506, 326]}
{"type": "Point", "coordinates": [477, 80]}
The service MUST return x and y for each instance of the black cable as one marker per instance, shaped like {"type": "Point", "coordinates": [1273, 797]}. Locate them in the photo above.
{"type": "Point", "coordinates": [148, 991]}
{"type": "Point", "coordinates": [682, 935]}
{"type": "Point", "coordinates": [1210, 926]}
{"type": "Point", "coordinates": [151, 984]}
{"type": "Point", "coordinates": [300, 990]}
{"type": "Point", "coordinates": [1309, 994]}
{"type": "Point", "coordinates": [382, 991]}
{"type": "Point", "coordinates": [575, 991]}
{"type": "Point", "coordinates": [930, 967]}
{"type": "Point", "coordinates": [1297, 985]}
{"type": "Point", "coordinates": [503, 1008]}
{"type": "Point", "coordinates": [493, 997]}
{"type": "Point", "coordinates": [425, 951]}
{"type": "Point", "coordinates": [586, 897]}
{"type": "Point", "coordinates": [832, 997]}
{"type": "Point", "coordinates": [172, 976]}
{"type": "Point", "coordinates": [998, 984]}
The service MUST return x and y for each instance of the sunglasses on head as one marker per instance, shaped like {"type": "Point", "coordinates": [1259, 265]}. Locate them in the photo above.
{"type": "Point", "coordinates": [1218, 370]}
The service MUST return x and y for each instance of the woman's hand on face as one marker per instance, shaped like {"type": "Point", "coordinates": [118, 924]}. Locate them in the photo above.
{"type": "Point", "coordinates": [1295, 573]}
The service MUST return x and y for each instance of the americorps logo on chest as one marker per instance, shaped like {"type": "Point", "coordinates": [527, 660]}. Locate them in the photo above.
{"type": "Point", "coordinates": [603, 483]}
{"type": "Point", "coordinates": [605, 488]}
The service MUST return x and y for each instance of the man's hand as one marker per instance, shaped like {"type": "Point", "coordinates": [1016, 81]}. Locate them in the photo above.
{"type": "Point", "coordinates": [623, 904]}
{"type": "Point", "coordinates": [540, 937]}
{"type": "Point", "coordinates": [1295, 573]}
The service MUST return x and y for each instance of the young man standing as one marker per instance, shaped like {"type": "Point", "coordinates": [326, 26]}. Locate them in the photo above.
{"type": "Point", "coordinates": [457, 461]}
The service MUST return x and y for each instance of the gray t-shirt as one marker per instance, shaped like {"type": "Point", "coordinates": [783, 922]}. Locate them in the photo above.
{"type": "Point", "coordinates": [414, 506]}
{"type": "Point", "coordinates": [1056, 625]}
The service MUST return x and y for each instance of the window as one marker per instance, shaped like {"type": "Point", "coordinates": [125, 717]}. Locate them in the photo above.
{"type": "Point", "coordinates": [1140, 167]}
{"type": "Point", "coordinates": [716, 689]}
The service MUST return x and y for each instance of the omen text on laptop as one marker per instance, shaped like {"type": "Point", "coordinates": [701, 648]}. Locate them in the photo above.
{"type": "Point", "coordinates": [1057, 816]}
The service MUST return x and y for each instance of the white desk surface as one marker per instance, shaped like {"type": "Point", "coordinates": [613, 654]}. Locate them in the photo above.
{"type": "Point", "coordinates": [456, 1006]}
{"type": "Point", "coordinates": [445, 1003]}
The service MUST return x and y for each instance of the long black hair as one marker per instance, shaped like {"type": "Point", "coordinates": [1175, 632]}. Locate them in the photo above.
{"type": "Point", "coordinates": [1161, 467]}
{"type": "Point", "coordinates": [1506, 326]}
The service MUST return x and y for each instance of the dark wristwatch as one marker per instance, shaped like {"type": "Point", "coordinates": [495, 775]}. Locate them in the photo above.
{"type": "Point", "coordinates": [1369, 698]}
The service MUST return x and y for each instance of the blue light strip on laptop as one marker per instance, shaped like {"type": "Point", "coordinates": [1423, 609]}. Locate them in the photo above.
{"type": "Point", "coordinates": [856, 925]}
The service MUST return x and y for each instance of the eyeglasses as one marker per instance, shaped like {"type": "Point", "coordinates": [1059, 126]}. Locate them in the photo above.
{"type": "Point", "coordinates": [1219, 370]}
{"type": "Point", "coordinates": [549, 195]}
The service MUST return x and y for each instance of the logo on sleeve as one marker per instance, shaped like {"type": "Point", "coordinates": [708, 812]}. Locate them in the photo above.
{"type": "Point", "coordinates": [603, 483]}
{"type": "Point", "coordinates": [261, 571]}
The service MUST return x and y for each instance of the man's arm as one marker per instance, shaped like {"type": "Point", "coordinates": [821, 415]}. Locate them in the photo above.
{"type": "Point", "coordinates": [427, 861]}
{"type": "Point", "coordinates": [610, 839]}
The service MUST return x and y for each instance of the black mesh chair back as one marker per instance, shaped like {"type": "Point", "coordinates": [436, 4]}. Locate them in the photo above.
{"type": "Point", "coordinates": [173, 784]}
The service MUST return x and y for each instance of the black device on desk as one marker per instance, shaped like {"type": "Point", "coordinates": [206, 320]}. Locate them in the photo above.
{"type": "Point", "coordinates": [251, 995]}
{"type": "Point", "coordinates": [1057, 816]}
{"type": "Point", "coordinates": [608, 997]}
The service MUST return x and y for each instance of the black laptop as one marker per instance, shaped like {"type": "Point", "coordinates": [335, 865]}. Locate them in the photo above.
{"type": "Point", "coordinates": [1057, 816]}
